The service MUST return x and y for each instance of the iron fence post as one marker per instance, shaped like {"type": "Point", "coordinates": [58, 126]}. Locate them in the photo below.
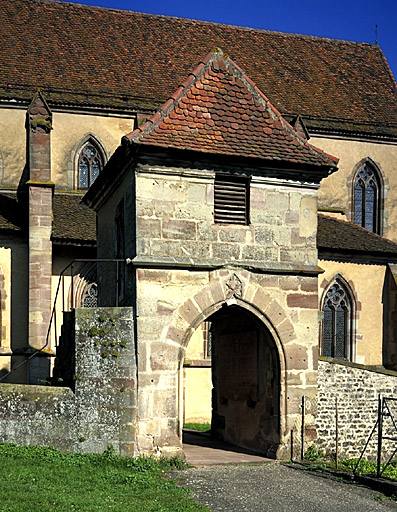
{"type": "Point", "coordinates": [71, 287]}
{"type": "Point", "coordinates": [292, 445]}
{"type": "Point", "coordinates": [55, 328]}
{"type": "Point", "coordinates": [117, 283]}
{"type": "Point", "coordinates": [336, 434]}
{"type": "Point", "coordinates": [63, 293]}
{"type": "Point", "coordinates": [303, 426]}
{"type": "Point", "coordinates": [380, 426]}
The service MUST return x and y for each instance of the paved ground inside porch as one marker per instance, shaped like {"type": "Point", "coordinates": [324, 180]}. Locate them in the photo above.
{"type": "Point", "coordinates": [201, 450]}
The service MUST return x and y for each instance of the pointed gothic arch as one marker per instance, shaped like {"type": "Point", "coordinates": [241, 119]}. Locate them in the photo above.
{"type": "Point", "coordinates": [276, 334]}
{"type": "Point", "coordinates": [337, 327]}
{"type": "Point", "coordinates": [84, 291]}
{"type": "Point", "coordinates": [88, 158]}
{"type": "Point", "coordinates": [367, 196]}
{"type": "Point", "coordinates": [248, 381]}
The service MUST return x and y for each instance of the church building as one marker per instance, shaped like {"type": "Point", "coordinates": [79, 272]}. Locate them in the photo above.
{"type": "Point", "coordinates": [213, 209]}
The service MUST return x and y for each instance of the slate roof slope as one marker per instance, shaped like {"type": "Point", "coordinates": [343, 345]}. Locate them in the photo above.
{"type": "Point", "coordinates": [341, 236]}
{"type": "Point", "coordinates": [105, 58]}
{"type": "Point", "coordinates": [219, 110]}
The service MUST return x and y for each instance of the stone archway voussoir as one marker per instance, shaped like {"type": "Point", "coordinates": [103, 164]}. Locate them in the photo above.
{"type": "Point", "coordinates": [189, 311]}
{"type": "Point", "coordinates": [217, 293]}
{"type": "Point", "coordinates": [203, 299]}
{"type": "Point", "coordinates": [177, 334]}
{"type": "Point", "coordinates": [248, 293]}
{"type": "Point", "coordinates": [286, 332]}
{"type": "Point", "coordinates": [261, 299]}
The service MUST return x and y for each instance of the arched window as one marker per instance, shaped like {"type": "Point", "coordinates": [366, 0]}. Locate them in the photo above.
{"type": "Point", "coordinates": [366, 198]}
{"type": "Point", "coordinates": [83, 292]}
{"type": "Point", "coordinates": [90, 296]}
{"type": "Point", "coordinates": [90, 164]}
{"type": "Point", "coordinates": [337, 322]}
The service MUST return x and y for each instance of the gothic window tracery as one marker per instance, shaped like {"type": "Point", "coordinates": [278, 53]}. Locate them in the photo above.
{"type": "Point", "coordinates": [337, 322]}
{"type": "Point", "coordinates": [90, 296]}
{"type": "Point", "coordinates": [90, 164]}
{"type": "Point", "coordinates": [366, 198]}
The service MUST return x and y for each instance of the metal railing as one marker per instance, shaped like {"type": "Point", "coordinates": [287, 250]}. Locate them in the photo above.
{"type": "Point", "coordinates": [304, 423]}
{"type": "Point", "coordinates": [72, 270]}
{"type": "Point", "coordinates": [386, 427]}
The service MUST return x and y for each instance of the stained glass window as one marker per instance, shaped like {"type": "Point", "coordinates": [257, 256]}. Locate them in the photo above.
{"type": "Point", "coordinates": [90, 165]}
{"type": "Point", "coordinates": [366, 198]}
{"type": "Point", "coordinates": [336, 332]}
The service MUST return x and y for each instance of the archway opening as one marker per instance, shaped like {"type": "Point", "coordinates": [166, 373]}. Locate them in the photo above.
{"type": "Point", "coordinates": [244, 373]}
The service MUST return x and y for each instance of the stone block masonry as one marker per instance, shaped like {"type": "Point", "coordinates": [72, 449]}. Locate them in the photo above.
{"type": "Point", "coordinates": [101, 409]}
{"type": "Point", "coordinates": [357, 388]}
{"type": "Point", "coordinates": [40, 189]}
{"type": "Point", "coordinates": [175, 222]}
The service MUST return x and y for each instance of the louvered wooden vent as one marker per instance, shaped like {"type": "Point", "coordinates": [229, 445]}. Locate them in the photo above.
{"type": "Point", "coordinates": [231, 198]}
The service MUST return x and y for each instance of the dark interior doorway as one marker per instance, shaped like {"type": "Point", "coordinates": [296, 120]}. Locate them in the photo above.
{"type": "Point", "coordinates": [246, 382]}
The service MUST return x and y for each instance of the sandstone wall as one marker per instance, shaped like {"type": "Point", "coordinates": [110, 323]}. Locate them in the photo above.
{"type": "Point", "coordinates": [172, 304]}
{"type": "Point", "coordinates": [177, 248]}
{"type": "Point", "coordinates": [174, 218]}
{"type": "Point", "coordinates": [335, 191]}
{"type": "Point", "coordinates": [69, 130]}
{"type": "Point", "coordinates": [367, 284]}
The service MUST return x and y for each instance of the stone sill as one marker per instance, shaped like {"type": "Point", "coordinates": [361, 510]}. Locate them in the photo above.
{"type": "Point", "coordinates": [197, 363]}
{"type": "Point", "coordinates": [371, 368]}
{"type": "Point", "coordinates": [275, 267]}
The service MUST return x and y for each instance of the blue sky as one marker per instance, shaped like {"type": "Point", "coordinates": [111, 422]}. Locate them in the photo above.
{"type": "Point", "coordinates": [352, 20]}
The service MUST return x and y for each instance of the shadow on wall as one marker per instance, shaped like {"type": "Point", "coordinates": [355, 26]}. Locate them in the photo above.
{"type": "Point", "coordinates": [246, 382]}
{"type": "Point", "coordinates": [389, 301]}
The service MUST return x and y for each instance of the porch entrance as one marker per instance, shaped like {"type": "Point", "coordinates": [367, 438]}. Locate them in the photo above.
{"type": "Point", "coordinates": [245, 377]}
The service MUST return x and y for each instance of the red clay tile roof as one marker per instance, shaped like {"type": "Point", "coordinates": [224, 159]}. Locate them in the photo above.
{"type": "Point", "coordinates": [219, 110]}
{"type": "Point", "coordinates": [73, 221]}
{"type": "Point", "coordinates": [345, 237]}
{"type": "Point", "coordinates": [89, 56]}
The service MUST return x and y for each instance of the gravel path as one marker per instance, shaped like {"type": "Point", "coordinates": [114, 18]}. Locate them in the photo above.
{"type": "Point", "coordinates": [277, 488]}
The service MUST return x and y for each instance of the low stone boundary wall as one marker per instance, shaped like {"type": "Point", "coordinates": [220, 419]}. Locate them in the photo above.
{"type": "Point", "coordinates": [357, 388]}
{"type": "Point", "coordinates": [100, 410]}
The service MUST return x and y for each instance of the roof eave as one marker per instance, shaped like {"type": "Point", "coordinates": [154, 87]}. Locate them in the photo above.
{"type": "Point", "coordinates": [318, 172]}
{"type": "Point", "coordinates": [110, 177]}
{"type": "Point", "coordinates": [368, 257]}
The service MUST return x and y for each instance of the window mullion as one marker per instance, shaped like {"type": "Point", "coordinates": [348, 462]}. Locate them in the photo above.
{"type": "Point", "coordinates": [333, 348]}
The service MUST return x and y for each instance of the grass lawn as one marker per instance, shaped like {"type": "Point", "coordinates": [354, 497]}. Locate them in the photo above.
{"type": "Point", "coordinates": [202, 427]}
{"type": "Point", "coordinates": [37, 479]}
{"type": "Point", "coordinates": [365, 467]}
